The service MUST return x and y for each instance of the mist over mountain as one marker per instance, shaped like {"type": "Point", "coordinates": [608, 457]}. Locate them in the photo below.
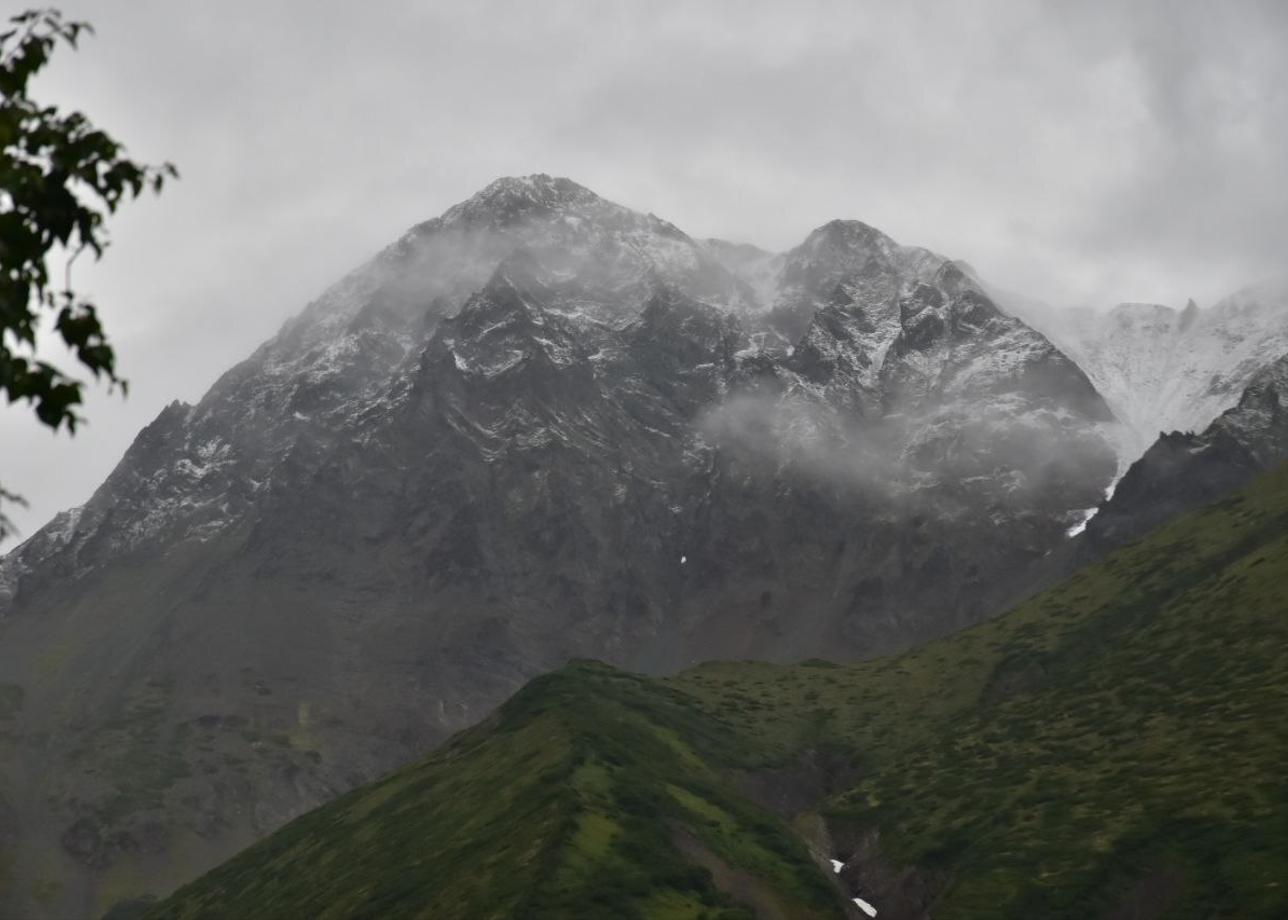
{"type": "Point", "coordinates": [537, 427]}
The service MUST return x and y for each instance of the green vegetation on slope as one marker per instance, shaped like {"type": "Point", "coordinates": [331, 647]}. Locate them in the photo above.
{"type": "Point", "coordinates": [1130, 725]}
{"type": "Point", "coordinates": [1116, 741]}
{"type": "Point", "coordinates": [592, 793]}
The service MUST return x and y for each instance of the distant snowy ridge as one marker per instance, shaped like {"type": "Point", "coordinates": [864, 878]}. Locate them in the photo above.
{"type": "Point", "coordinates": [1163, 369]}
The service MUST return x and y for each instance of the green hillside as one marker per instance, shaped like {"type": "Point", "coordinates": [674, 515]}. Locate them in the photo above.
{"type": "Point", "coordinates": [592, 793]}
{"type": "Point", "coordinates": [1114, 747]}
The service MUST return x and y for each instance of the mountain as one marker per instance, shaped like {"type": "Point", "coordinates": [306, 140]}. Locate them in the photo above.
{"type": "Point", "coordinates": [1111, 748]}
{"type": "Point", "coordinates": [1162, 369]}
{"type": "Point", "coordinates": [540, 426]}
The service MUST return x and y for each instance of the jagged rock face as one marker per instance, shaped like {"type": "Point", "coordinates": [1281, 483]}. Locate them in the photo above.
{"type": "Point", "coordinates": [846, 262]}
{"type": "Point", "coordinates": [1183, 471]}
{"type": "Point", "coordinates": [540, 426]}
{"type": "Point", "coordinates": [1162, 369]}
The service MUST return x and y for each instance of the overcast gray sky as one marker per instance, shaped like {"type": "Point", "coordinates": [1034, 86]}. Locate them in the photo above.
{"type": "Point", "coordinates": [1078, 152]}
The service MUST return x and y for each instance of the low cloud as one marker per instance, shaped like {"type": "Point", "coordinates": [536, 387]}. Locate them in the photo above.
{"type": "Point", "coordinates": [803, 438]}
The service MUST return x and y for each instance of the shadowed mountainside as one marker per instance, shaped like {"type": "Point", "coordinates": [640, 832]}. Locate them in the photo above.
{"type": "Point", "coordinates": [1112, 748]}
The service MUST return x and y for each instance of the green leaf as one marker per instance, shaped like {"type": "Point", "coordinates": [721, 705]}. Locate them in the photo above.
{"type": "Point", "coordinates": [60, 176]}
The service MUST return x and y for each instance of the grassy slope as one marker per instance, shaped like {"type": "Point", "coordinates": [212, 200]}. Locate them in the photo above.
{"type": "Point", "coordinates": [566, 803]}
{"type": "Point", "coordinates": [1132, 721]}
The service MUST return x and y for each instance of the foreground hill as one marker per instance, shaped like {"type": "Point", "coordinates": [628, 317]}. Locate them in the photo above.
{"type": "Point", "coordinates": [1112, 748]}
{"type": "Point", "coordinates": [591, 793]}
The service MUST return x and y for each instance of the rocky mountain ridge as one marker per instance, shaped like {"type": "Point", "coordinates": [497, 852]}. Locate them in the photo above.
{"type": "Point", "coordinates": [537, 427]}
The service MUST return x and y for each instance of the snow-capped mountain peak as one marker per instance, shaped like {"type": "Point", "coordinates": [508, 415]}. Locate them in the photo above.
{"type": "Point", "coordinates": [513, 200]}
